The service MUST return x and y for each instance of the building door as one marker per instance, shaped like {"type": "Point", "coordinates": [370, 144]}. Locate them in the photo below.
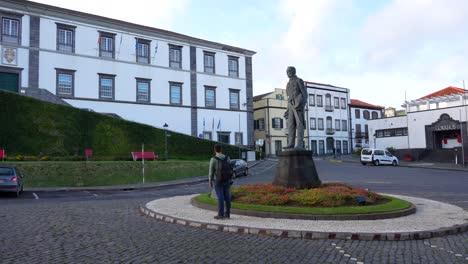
{"type": "Point", "coordinates": [330, 145]}
{"type": "Point", "coordinates": [9, 81]}
{"type": "Point", "coordinates": [278, 147]}
{"type": "Point", "coordinates": [313, 147]}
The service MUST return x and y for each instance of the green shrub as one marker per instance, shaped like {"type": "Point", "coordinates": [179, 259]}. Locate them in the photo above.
{"type": "Point", "coordinates": [391, 150]}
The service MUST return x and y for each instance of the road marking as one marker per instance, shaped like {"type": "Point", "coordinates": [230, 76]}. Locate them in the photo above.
{"type": "Point", "coordinates": [346, 255]}
{"type": "Point", "coordinates": [376, 182]}
{"type": "Point", "coordinates": [95, 195]}
{"type": "Point", "coordinates": [35, 196]}
{"type": "Point", "coordinates": [446, 250]}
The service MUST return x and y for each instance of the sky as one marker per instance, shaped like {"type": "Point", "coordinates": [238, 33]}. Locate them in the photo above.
{"type": "Point", "coordinates": [382, 50]}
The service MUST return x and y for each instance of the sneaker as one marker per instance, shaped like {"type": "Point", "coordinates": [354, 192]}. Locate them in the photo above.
{"type": "Point", "coordinates": [219, 217]}
{"type": "Point", "coordinates": [227, 216]}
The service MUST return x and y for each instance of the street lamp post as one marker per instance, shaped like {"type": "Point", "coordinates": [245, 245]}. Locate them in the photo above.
{"type": "Point", "coordinates": [165, 140]}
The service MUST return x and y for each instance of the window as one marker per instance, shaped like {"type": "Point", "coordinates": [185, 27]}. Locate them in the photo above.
{"type": "Point", "coordinates": [224, 137]}
{"type": "Point", "coordinates": [207, 135]}
{"type": "Point", "coordinates": [209, 60]}
{"type": "Point", "coordinates": [175, 56]}
{"type": "Point", "coordinates": [375, 115]}
{"type": "Point", "coordinates": [345, 147]}
{"type": "Point", "coordinates": [344, 125]}
{"type": "Point", "coordinates": [321, 147]}
{"type": "Point", "coordinates": [277, 122]}
{"type": "Point", "coordinates": [143, 91]}
{"type": "Point", "coordinates": [106, 45]}
{"type": "Point", "coordinates": [11, 30]}
{"type": "Point", "coordinates": [66, 38]}
{"type": "Point", "coordinates": [343, 103]}
{"type": "Point", "coordinates": [320, 124]}
{"type": "Point", "coordinates": [210, 96]}
{"type": "Point", "coordinates": [393, 132]}
{"type": "Point", "coordinates": [143, 50]}
{"type": "Point", "coordinates": [234, 99]}
{"type": "Point", "coordinates": [106, 86]}
{"type": "Point", "coordinates": [366, 115]}
{"type": "Point", "coordinates": [337, 102]}
{"type": "Point", "coordinates": [279, 97]}
{"type": "Point", "coordinates": [313, 124]}
{"type": "Point", "coordinates": [328, 100]}
{"type": "Point", "coordinates": [357, 113]}
{"type": "Point", "coordinates": [319, 100]}
{"type": "Point", "coordinates": [329, 122]}
{"type": "Point", "coordinates": [261, 124]}
{"type": "Point", "coordinates": [379, 133]}
{"type": "Point", "coordinates": [175, 93]}
{"type": "Point", "coordinates": [65, 82]}
{"type": "Point", "coordinates": [311, 99]}
{"type": "Point", "coordinates": [366, 129]}
{"type": "Point", "coordinates": [233, 65]}
{"type": "Point", "coordinates": [338, 147]}
{"type": "Point", "coordinates": [337, 124]}
{"type": "Point", "coordinates": [358, 130]}
{"type": "Point", "coordinates": [239, 138]}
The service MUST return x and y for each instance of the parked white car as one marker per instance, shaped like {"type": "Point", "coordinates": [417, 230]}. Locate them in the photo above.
{"type": "Point", "coordinates": [378, 157]}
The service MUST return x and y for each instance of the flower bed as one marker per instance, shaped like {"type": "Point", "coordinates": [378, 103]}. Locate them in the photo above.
{"type": "Point", "coordinates": [331, 194]}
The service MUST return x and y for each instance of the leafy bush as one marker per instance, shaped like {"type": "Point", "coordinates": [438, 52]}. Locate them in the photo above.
{"type": "Point", "coordinates": [391, 150]}
{"type": "Point", "coordinates": [327, 195]}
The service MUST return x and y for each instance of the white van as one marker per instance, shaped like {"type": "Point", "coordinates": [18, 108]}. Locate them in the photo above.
{"type": "Point", "coordinates": [377, 157]}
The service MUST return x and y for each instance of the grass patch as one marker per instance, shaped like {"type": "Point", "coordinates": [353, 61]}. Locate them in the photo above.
{"type": "Point", "coordinates": [77, 174]}
{"type": "Point", "coordinates": [394, 204]}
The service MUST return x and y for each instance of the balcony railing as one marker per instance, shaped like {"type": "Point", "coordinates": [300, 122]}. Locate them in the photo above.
{"type": "Point", "coordinates": [330, 131]}
{"type": "Point", "coordinates": [329, 108]}
{"type": "Point", "coordinates": [362, 135]}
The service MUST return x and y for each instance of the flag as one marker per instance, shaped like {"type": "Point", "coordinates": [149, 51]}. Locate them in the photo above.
{"type": "Point", "coordinates": [212, 124]}
{"type": "Point", "coordinates": [219, 124]}
{"type": "Point", "coordinates": [203, 123]}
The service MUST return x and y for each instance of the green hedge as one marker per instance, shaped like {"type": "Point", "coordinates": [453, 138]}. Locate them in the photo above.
{"type": "Point", "coordinates": [33, 127]}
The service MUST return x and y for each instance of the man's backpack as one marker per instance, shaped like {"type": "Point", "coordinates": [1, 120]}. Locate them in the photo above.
{"type": "Point", "coordinates": [224, 172]}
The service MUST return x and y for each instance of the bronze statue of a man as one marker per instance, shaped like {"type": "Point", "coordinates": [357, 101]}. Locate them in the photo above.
{"type": "Point", "coordinates": [297, 99]}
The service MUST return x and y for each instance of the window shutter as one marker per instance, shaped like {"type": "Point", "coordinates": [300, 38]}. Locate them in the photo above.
{"type": "Point", "coordinates": [281, 123]}
{"type": "Point", "coordinates": [273, 123]}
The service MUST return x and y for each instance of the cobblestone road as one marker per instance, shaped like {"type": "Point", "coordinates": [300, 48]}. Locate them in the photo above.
{"type": "Point", "coordinates": [107, 228]}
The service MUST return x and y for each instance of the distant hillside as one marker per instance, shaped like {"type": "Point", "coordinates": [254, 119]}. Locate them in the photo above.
{"type": "Point", "coordinates": [29, 127]}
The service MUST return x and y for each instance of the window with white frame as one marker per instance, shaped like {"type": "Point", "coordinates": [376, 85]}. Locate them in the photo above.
{"type": "Point", "coordinates": [233, 65]}
{"type": "Point", "coordinates": [175, 93]}
{"type": "Point", "coordinates": [175, 56]}
{"type": "Point", "coordinates": [344, 125]}
{"type": "Point", "coordinates": [239, 138]}
{"type": "Point", "coordinates": [337, 124]}
{"type": "Point", "coordinates": [366, 114]}
{"type": "Point", "coordinates": [261, 124]}
{"type": "Point", "coordinates": [209, 61]}
{"type": "Point", "coordinates": [320, 124]}
{"type": "Point", "coordinates": [277, 123]}
{"type": "Point", "coordinates": [106, 45]}
{"type": "Point", "coordinates": [234, 99]}
{"type": "Point", "coordinates": [65, 82]}
{"type": "Point", "coordinates": [11, 30]}
{"type": "Point", "coordinates": [210, 96]}
{"type": "Point", "coordinates": [106, 86]}
{"type": "Point", "coordinates": [312, 99]}
{"type": "Point", "coordinates": [143, 90]}
{"type": "Point", "coordinates": [143, 50]}
{"type": "Point", "coordinates": [66, 38]}
{"type": "Point", "coordinates": [313, 124]}
{"type": "Point", "coordinates": [207, 135]}
{"type": "Point", "coordinates": [343, 103]}
{"type": "Point", "coordinates": [337, 102]}
{"type": "Point", "coordinates": [319, 100]}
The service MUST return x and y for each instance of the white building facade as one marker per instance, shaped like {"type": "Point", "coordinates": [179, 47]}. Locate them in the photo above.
{"type": "Point", "coordinates": [435, 127]}
{"type": "Point", "coordinates": [360, 113]}
{"type": "Point", "coordinates": [143, 74]}
{"type": "Point", "coordinates": [328, 119]}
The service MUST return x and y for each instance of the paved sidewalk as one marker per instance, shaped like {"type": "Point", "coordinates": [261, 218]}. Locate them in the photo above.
{"type": "Point", "coordinates": [192, 180]}
{"type": "Point", "coordinates": [415, 164]}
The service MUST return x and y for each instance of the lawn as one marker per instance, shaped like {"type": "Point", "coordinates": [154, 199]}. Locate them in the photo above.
{"type": "Point", "coordinates": [81, 173]}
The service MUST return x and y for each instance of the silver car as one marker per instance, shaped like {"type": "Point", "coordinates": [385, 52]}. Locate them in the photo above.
{"type": "Point", "coordinates": [11, 180]}
{"type": "Point", "coordinates": [239, 167]}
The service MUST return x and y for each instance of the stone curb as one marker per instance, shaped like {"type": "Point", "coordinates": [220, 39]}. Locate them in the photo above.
{"type": "Point", "coordinates": [456, 229]}
{"type": "Point", "coordinates": [343, 217]}
{"type": "Point", "coordinates": [128, 187]}
{"type": "Point", "coordinates": [408, 166]}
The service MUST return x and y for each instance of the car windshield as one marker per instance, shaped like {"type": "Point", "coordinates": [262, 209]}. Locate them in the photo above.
{"type": "Point", "coordinates": [366, 152]}
{"type": "Point", "coordinates": [6, 171]}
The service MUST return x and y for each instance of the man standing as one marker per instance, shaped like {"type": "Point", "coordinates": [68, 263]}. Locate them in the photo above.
{"type": "Point", "coordinates": [219, 178]}
{"type": "Point", "coordinates": [297, 99]}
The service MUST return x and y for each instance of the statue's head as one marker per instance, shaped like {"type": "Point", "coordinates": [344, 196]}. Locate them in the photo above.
{"type": "Point", "coordinates": [291, 71]}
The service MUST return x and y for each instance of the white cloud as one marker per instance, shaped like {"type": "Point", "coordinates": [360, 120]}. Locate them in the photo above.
{"type": "Point", "coordinates": [156, 13]}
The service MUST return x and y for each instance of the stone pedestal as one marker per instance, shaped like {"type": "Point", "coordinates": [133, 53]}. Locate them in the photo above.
{"type": "Point", "coordinates": [296, 169]}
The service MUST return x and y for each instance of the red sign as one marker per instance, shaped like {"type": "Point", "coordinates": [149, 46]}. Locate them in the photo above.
{"type": "Point", "coordinates": [2, 153]}
{"type": "Point", "coordinates": [89, 152]}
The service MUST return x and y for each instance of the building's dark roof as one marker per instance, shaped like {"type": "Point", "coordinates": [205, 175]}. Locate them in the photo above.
{"type": "Point", "coordinates": [28, 6]}
{"type": "Point", "coordinates": [260, 96]}
{"type": "Point", "coordinates": [359, 103]}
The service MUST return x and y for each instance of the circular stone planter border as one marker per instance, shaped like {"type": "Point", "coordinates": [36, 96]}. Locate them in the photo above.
{"type": "Point", "coordinates": [340, 217]}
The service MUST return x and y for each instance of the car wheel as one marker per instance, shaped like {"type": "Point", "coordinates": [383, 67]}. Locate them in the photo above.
{"type": "Point", "coordinates": [376, 162]}
{"type": "Point", "coordinates": [363, 163]}
{"type": "Point", "coordinates": [394, 163]}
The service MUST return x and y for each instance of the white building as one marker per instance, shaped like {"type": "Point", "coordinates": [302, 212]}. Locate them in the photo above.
{"type": "Point", "coordinates": [433, 129]}
{"type": "Point", "coordinates": [328, 118]}
{"type": "Point", "coordinates": [360, 113]}
{"type": "Point", "coordinates": [143, 74]}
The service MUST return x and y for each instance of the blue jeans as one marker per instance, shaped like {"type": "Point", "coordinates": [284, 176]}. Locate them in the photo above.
{"type": "Point", "coordinates": [223, 191]}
